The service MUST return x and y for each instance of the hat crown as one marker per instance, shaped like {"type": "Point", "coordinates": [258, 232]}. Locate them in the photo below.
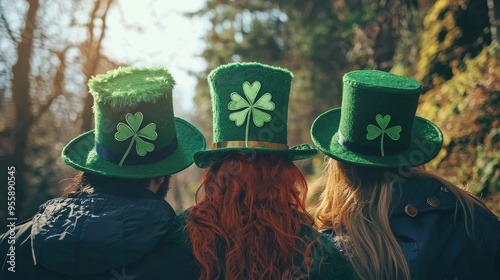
{"type": "Point", "coordinates": [134, 116]}
{"type": "Point", "coordinates": [250, 104]}
{"type": "Point", "coordinates": [250, 112]}
{"type": "Point", "coordinates": [376, 124]}
{"type": "Point", "coordinates": [377, 112]}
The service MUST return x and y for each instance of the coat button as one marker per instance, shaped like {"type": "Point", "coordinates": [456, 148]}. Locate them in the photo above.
{"type": "Point", "coordinates": [411, 210]}
{"type": "Point", "coordinates": [433, 201]}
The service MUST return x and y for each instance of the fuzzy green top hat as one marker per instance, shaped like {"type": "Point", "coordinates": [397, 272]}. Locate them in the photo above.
{"type": "Point", "coordinates": [136, 134]}
{"type": "Point", "coordinates": [250, 112]}
{"type": "Point", "coordinates": [376, 123]}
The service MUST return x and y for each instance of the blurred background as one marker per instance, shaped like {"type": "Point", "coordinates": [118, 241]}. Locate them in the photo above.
{"type": "Point", "coordinates": [50, 48]}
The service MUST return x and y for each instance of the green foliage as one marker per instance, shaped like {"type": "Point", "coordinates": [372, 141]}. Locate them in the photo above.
{"type": "Point", "coordinates": [406, 56]}
{"type": "Point", "coordinates": [317, 40]}
{"type": "Point", "coordinates": [454, 30]}
{"type": "Point", "coordinates": [460, 62]}
{"type": "Point", "coordinates": [467, 108]}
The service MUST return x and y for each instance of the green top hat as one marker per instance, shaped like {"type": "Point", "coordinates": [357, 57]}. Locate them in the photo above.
{"type": "Point", "coordinates": [376, 124]}
{"type": "Point", "coordinates": [136, 134]}
{"type": "Point", "coordinates": [250, 112]}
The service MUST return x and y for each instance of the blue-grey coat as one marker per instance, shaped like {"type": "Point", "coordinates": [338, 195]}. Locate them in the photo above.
{"type": "Point", "coordinates": [436, 245]}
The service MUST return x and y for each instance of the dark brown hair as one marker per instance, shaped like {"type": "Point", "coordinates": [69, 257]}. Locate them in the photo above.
{"type": "Point", "coordinates": [83, 182]}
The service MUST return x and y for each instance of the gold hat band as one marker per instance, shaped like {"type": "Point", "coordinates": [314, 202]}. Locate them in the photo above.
{"type": "Point", "coordinates": [249, 144]}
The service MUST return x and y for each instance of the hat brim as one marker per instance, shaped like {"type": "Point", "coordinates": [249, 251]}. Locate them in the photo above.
{"type": "Point", "coordinates": [204, 158]}
{"type": "Point", "coordinates": [426, 143]}
{"type": "Point", "coordinates": [81, 155]}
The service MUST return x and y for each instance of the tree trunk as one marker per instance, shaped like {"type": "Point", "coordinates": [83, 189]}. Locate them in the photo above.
{"type": "Point", "coordinates": [93, 56]}
{"type": "Point", "coordinates": [494, 15]}
{"type": "Point", "coordinates": [21, 81]}
{"type": "Point", "coordinates": [23, 116]}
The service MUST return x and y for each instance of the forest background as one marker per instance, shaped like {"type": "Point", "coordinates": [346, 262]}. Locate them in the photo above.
{"type": "Point", "coordinates": [450, 46]}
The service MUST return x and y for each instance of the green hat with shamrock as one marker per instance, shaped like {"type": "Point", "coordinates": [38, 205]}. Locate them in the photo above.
{"type": "Point", "coordinates": [136, 134]}
{"type": "Point", "coordinates": [376, 123]}
{"type": "Point", "coordinates": [250, 112]}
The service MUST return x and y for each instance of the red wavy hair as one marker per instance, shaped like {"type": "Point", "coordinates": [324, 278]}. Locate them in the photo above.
{"type": "Point", "coordinates": [246, 224]}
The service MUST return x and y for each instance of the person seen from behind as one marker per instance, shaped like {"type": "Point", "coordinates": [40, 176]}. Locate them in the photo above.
{"type": "Point", "coordinates": [389, 216]}
{"type": "Point", "coordinates": [113, 221]}
{"type": "Point", "coordinates": [250, 220]}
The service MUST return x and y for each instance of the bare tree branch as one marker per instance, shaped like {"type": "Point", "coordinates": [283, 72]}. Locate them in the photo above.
{"type": "Point", "coordinates": [93, 55]}
{"type": "Point", "coordinates": [97, 48]}
{"type": "Point", "coordinates": [494, 16]}
{"type": "Point", "coordinates": [57, 88]}
{"type": "Point", "coordinates": [90, 25]}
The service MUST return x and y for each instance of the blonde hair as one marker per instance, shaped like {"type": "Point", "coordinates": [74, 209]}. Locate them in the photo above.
{"type": "Point", "coordinates": [357, 202]}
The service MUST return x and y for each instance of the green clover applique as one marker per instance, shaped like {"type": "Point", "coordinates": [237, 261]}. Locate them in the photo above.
{"type": "Point", "coordinates": [376, 131]}
{"type": "Point", "coordinates": [250, 107]}
{"type": "Point", "coordinates": [125, 131]}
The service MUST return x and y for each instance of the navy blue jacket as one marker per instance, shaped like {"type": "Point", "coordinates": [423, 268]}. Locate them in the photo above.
{"type": "Point", "coordinates": [114, 233]}
{"type": "Point", "coordinates": [436, 244]}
